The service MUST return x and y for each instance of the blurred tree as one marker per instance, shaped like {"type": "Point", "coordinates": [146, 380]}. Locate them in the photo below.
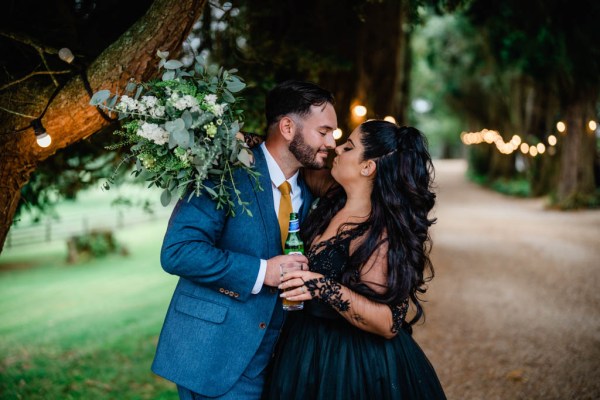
{"type": "Point", "coordinates": [31, 35]}
{"type": "Point", "coordinates": [359, 51]}
{"type": "Point", "coordinates": [554, 46]}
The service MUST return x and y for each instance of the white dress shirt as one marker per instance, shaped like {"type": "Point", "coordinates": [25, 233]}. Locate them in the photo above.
{"type": "Point", "coordinates": [277, 178]}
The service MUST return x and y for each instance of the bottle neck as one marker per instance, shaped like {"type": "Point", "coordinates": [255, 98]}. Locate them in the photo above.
{"type": "Point", "coordinates": [294, 226]}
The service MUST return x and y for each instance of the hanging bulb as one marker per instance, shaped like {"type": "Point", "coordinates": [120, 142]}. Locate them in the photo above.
{"type": "Point", "coordinates": [359, 110]}
{"type": "Point", "coordinates": [42, 137]}
{"type": "Point", "coordinates": [66, 55]}
{"type": "Point", "coordinates": [337, 134]}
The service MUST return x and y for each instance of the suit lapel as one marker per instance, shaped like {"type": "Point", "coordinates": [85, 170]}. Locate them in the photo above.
{"type": "Point", "coordinates": [264, 200]}
{"type": "Point", "coordinates": [307, 198]}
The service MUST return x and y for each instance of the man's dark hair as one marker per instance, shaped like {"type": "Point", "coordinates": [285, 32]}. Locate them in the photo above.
{"type": "Point", "coordinates": [294, 97]}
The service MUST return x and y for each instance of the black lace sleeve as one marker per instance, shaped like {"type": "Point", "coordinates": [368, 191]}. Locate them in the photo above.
{"type": "Point", "coordinates": [399, 312]}
{"type": "Point", "coordinates": [328, 292]}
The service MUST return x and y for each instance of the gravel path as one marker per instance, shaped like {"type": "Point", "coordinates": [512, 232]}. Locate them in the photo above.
{"type": "Point", "coordinates": [514, 309]}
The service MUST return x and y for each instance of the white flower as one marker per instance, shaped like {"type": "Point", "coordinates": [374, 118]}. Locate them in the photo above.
{"type": "Point", "coordinates": [158, 111]}
{"type": "Point", "coordinates": [210, 99]}
{"type": "Point", "coordinates": [187, 101]}
{"type": "Point", "coordinates": [154, 133]}
{"type": "Point", "coordinates": [149, 101]}
{"type": "Point", "coordinates": [218, 109]}
{"type": "Point", "coordinates": [127, 104]}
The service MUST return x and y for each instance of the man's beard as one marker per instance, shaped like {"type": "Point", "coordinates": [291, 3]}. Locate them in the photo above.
{"type": "Point", "coordinates": [306, 155]}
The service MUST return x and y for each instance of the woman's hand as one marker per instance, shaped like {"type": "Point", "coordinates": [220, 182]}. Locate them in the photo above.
{"type": "Point", "coordinates": [294, 285]}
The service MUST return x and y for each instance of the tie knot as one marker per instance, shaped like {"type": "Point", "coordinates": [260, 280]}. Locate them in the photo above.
{"type": "Point", "coordinates": [285, 188]}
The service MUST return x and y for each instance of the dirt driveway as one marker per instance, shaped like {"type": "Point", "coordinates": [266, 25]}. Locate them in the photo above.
{"type": "Point", "coordinates": [514, 309]}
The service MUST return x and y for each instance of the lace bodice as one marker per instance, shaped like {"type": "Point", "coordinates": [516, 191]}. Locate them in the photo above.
{"type": "Point", "coordinates": [330, 257]}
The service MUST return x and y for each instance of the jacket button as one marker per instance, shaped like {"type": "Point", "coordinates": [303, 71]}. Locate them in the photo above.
{"type": "Point", "coordinates": [262, 325]}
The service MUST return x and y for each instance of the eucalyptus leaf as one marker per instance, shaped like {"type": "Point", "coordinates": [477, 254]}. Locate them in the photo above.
{"type": "Point", "coordinates": [165, 197]}
{"type": "Point", "coordinates": [244, 157]}
{"type": "Point", "coordinates": [162, 54]}
{"type": "Point", "coordinates": [187, 119]}
{"type": "Point", "coordinates": [130, 87]}
{"type": "Point", "coordinates": [211, 192]}
{"type": "Point", "coordinates": [172, 142]}
{"type": "Point", "coordinates": [182, 137]}
{"type": "Point", "coordinates": [138, 92]}
{"type": "Point", "coordinates": [235, 128]}
{"type": "Point", "coordinates": [235, 85]}
{"type": "Point", "coordinates": [173, 64]}
{"type": "Point", "coordinates": [112, 101]}
{"type": "Point", "coordinates": [228, 97]}
{"type": "Point", "coordinates": [172, 126]}
{"type": "Point", "coordinates": [99, 97]}
{"type": "Point", "coordinates": [168, 75]}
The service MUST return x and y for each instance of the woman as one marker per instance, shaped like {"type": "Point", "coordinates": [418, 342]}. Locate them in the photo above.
{"type": "Point", "coordinates": [368, 247]}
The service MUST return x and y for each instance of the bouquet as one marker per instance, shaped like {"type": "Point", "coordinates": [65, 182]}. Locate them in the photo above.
{"type": "Point", "coordinates": [183, 131]}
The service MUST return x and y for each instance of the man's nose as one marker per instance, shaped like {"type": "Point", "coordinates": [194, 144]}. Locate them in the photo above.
{"type": "Point", "coordinates": [338, 150]}
{"type": "Point", "coordinates": [329, 141]}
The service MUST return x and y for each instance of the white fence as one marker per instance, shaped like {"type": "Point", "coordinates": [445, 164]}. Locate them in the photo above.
{"type": "Point", "coordinates": [71, 225]}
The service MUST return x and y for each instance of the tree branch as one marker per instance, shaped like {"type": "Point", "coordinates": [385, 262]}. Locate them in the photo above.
{"type": "Point", "coordinates": [34, 73]}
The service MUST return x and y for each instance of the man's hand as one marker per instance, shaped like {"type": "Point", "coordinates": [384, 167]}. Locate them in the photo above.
{"type": "Point", "coordinates": [273, 274]}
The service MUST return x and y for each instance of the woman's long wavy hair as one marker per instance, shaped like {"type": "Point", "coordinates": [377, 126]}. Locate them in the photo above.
{"type": "Point", "coordinates": [401, 200]}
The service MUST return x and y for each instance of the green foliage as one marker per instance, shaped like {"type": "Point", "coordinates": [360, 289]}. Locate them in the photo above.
{"type": "Point", "coordinates": [96, 244]}
{"type": "Point", "coordinates": [182, 131]}
{"type": "Point", "coordinates": [555, 42]}
{"type": "Point", "coordinates": [517, 187]}
{"type": "Point", "coordinates": [576, 201]}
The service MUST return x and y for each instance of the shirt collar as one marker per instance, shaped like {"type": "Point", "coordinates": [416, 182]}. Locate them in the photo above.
{"type": "Point", "coordinates": [275, 172]}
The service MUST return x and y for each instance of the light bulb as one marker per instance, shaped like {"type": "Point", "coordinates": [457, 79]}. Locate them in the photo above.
{"type": "Point", "coordinates": [66, 55]}
{"type": "Point", "coordinates": [391, 119]}
{"type": "Point", "coordinates": [337, 133]}
{"type": "Point", "coordinates": [359, 111]}
{"type": "Point", "coordinates": [41, 136]}
{"type": "Point", "coordinates": [43, 140]}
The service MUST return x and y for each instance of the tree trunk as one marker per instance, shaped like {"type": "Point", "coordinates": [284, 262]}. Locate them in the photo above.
{"type": "Point", "coordinates": [70, 118]}
{"type": "Point", "coordinates": [576, 184]}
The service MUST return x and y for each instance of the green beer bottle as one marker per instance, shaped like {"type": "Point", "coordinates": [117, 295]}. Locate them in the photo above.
{"type": "Point", "coordinates": [293, 243]}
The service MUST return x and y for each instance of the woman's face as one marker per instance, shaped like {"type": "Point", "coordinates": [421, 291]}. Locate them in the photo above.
{"type": "Point", "coordinates": [348, 163]}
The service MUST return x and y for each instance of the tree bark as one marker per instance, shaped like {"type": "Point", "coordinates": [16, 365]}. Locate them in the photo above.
{"type": "Point", "coordinates": [70, 118]}
{"type": "Point", "coordinates": [576, 184]}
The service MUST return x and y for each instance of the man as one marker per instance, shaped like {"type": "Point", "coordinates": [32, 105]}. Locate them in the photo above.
{"type": "Point", "coordinates": [225, 315]}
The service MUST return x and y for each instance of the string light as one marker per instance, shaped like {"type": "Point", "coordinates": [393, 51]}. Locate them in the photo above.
{"type": "Point", "coordinates": [561, 127]}
{"type": "Point", "coordinates": [592, 125]}
{"type": "Point", "coordinates": [516, 142]}
{"type": "Point", "coordinates": [41, 136]}
{"type": "Point", "coordinates": [359, 110]}
{"type": "Point", "coordinates": [43, 139]}
{"type": "Point", "coordinates": [337, 134]}
{"type": "Point", "coordinates": [389, 118]}
{"type": "Point", "coordinates": [66, 55]}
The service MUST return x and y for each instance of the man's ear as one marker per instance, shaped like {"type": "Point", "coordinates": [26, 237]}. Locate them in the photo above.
{"type": "Point", "coordinates": [287, 128]}
{"type": "Point", "coordinates": [368, 169]}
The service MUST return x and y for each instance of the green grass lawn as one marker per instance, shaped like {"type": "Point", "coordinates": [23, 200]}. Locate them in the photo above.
{"type": "Point", "coordinates": [84, 331]}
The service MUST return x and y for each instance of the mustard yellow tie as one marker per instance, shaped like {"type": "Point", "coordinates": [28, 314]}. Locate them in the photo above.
{"type": "Point", "coordinates": [285, 208]}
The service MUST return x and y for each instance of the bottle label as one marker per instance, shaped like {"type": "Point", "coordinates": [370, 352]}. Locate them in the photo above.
{"type": "Point", "coordinates": [294, 226]}
{"type": "Point", "coordinates": [291, 253]}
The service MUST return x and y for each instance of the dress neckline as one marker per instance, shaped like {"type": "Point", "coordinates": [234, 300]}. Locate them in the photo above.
{"type": "Point", "coordinates": [345, 235]}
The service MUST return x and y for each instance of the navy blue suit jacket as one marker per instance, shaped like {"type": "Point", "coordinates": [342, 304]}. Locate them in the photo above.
{"type": "Point", "coordinates": [214, 324]}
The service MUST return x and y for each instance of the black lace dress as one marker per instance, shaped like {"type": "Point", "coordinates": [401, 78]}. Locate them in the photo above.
{"type": "Point", "coordinates": [322, 356]}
